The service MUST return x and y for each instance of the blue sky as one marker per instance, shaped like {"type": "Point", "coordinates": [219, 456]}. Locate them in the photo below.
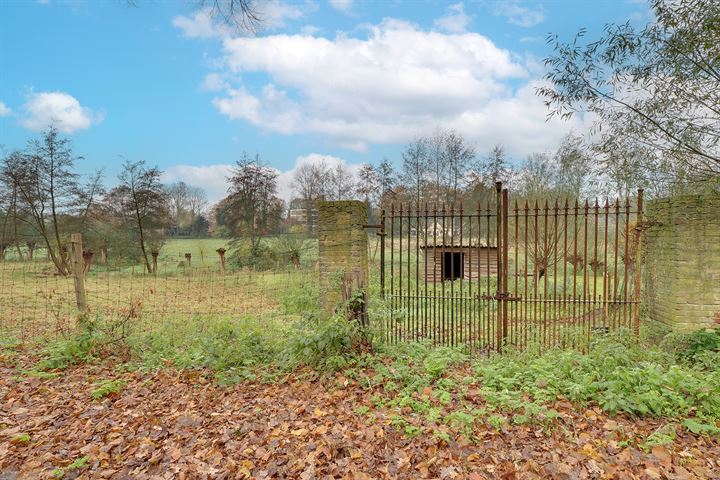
{"type": "Point", "coordinates": [348, 81]}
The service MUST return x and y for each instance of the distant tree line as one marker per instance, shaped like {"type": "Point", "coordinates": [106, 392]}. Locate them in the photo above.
{"type": "Point", "coordinates": [43, 199]}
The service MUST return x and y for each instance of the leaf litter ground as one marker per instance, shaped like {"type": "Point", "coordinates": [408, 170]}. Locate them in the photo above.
{"type": "Point", "coordinates": [182, 424]}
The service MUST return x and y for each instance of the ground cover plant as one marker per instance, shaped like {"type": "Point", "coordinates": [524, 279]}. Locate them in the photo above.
{"type": "Point", "coordinates": [623, 407]}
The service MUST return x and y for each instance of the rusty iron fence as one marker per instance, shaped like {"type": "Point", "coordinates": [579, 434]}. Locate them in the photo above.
{"type": "Point", "coordinates": [513, 273]}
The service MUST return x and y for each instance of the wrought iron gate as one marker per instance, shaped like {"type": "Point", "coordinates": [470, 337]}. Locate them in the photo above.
{"type": "Point", "coordinates": [532, 274]}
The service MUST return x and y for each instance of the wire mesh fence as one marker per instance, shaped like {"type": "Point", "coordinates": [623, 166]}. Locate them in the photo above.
{"type": "Point", "coordinates": [35, 302]}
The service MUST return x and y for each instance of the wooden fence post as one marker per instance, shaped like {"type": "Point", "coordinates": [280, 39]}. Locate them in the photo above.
{"type": "Point", "coordinates": [221, 251]}
{"type": "Point", "coordinates": [78, 272]}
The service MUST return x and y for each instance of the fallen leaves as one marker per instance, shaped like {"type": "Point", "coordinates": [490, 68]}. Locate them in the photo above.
{"type": "Point", "coordinates": [180, 424]}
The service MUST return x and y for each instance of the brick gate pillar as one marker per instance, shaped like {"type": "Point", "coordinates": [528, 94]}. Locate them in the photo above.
{"type": "Point", "coordinates": [682, 261]}
{"type": "Point", "coordinates": [343, 257]}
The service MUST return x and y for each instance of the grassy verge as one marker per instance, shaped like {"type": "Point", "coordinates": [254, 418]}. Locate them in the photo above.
{"type": "Point", "coordinates": [442, 391]}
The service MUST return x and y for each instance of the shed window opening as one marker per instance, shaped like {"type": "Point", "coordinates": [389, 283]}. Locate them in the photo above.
{"type": "Point", "coordinates": [452, 266]}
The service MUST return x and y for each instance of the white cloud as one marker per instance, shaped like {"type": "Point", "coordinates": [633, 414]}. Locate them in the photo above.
{"type": "Point", "coordinates": [397, 82]}
{"type": "Point", "coordinates": [344, 6]}
{"type": "Point", "coordinates": [200, 25]}
{"type": "Point", "coordinates": [59, 109]}
{"type": "Point", "coordinates": [309, 30]}
{"type": "Point", "coordinates": [518, 14]}
{"type": "Point", "coordinates": [4, 110]}
{"type": "Point", "coordinates": [455, 20]}
{"type": "Point", "coordinates": [213, 178]}
{"type": "Point", "coordinates": [214, 82]}
{"type": "Point", "coordinates": [275, 14]}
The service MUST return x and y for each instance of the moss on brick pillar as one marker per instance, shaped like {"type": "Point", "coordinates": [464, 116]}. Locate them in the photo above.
{"type": "Point", "coordinates": [343, 258]}
{"type": "Point", "coordinates": [681, 278]}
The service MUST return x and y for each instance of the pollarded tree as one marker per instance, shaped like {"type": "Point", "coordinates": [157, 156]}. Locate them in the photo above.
{"type": "Point", "coordinates": [140, 202]}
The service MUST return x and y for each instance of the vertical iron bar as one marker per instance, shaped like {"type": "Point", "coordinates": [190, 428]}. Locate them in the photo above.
{"type": "Point", "coordinates": [442, 277]}
{"type": "Point", "coordinates": [451, 300]}
{"type": "Point", "coordinates": [536, 278]}
{"type": "Point", "coordinates": [626, 261]}
{"type": "Point", "coordinates": [576, 213]}
{"type": "Point", "coordinates": [555, 240]}
{"type": "Point", "coordinates": [638, 261]}
{"type": "Point", "coordinates": [585, 292]}
{"type": "Point", "coordinates": [479, 329]}
{"type": "Point", "coordinates": [498, 293]}
{"type": "Point", "coordinates": [401, 304]}
{"type": "Point", "coordinates": [596, 266]}
{"type": "Point", "coordinates": [425, 281]}
{"type": "Point", "coordinates": [565, 252]}
{"type": "Point", "coordinates": [617, 237]}
{"type": "Point", "coordinates": [417, 272]}
{"type": "Point", "coordinates": [606, 279]}
{"type": "Point", "coordinates": [490, 304]}
{"type": "Point", "coordinates": [435, 272]}
{"type": "Point", "coordinates": [516, 316]}
{"type": "Point", "coordinates": [391, 318]}
{"type": "Point", "coordinates": [461, 300]}
{"type": "Point", "coordinates": [505, 263]}
{"type": "Point", "coordinates": [382, 254]}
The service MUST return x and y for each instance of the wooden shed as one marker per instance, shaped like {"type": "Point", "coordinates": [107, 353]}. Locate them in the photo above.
{"type": "Point", "coordinates": [452, 262]}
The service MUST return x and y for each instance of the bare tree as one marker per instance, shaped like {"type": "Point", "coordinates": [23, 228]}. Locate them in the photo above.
{"type": "Point", "coordinates": [416, 169]}
{"type": "Point", "coordinates": [310, 183]}
{"type": "Point", "coordinates": [458, 156]}
{"type": "Point", "coordinates": [437, 163]}
{"type": "Point", "coordinates": [254, 208]}
{"type": "Point", "coordinates": [187, 203]}
{"type": "Point", "coordinates": [341, 183]}
{"type": "Point", "coordinates": [367, 186]}
{"type": "Point", "coordinates": [48, 191]}
{"type": "Point", "coordinates": [241, 15]}
{"type": "Point", "coordinates": [387, 181]}
{"type": "Point", "coordinates": [141, 202]}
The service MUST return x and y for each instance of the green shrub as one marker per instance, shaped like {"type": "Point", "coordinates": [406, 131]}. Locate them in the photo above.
{"type": "Point", "coordinates": [617, 373]}
{"type": "Point", "coordinates": [313, 342]}
{"type": "Point", "coordinates": [243, 254]}
{"type": "Point", "coordinates": [438, 360]}
{"type": "Point", "coordinates": [76, 348]}
{"type": "Point", "coordinates": [701, 346]}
